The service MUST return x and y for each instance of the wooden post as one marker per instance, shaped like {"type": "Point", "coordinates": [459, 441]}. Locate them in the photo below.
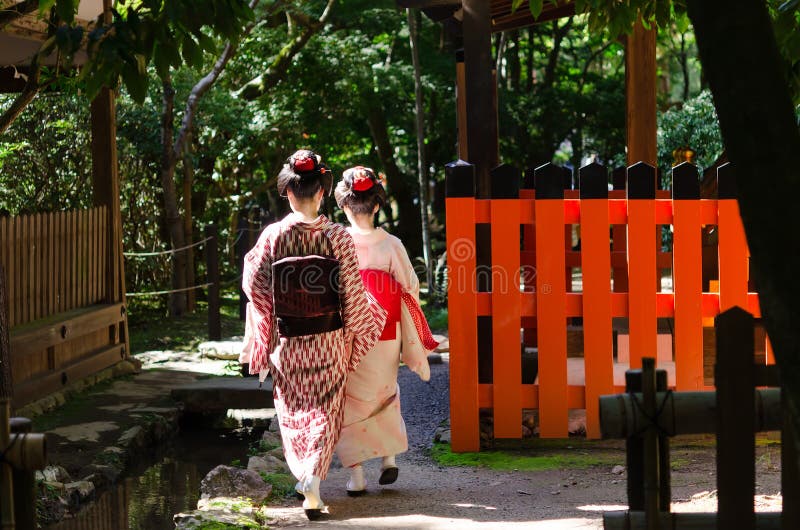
{"type": "Point", "coordinates": [652, 466]}
{"type": "Point", "coordinates": [481, 119]}
{"type": "Point", "coordinates": [640, 95]}
{"type": "Point", "coordinates": [735, 381]}
{"type": "Point", "coordinates": [106, 192]}
{"type": "Point", "coordinates": [551, 304]}
{"type": "Point", "coordinates": [6, 482]}
{"type": "Point", "coordinates": [635, 450]}
{"type": "Point", "coordinates": [688, 278]}
{"type": "Point", "coordinates": [212, 267]}
{"type": "Point", "coordinates": [790, 470]}
{"type": "Point", "coordinates": [462, 305]}
{"type": "Point", "coordinates": [596, 260]}
{"type": "Point", "coordinates": [506, 319]}
{"type": "Point", "coordinates": [24, 483]}
{"type": "Point", "coordinates": [461, 105]}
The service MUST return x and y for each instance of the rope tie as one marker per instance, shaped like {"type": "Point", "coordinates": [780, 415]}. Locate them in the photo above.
{"type": "Point", "coordinates": [651, 421]}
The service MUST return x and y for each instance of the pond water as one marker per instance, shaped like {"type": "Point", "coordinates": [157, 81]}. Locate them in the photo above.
{"type": "Point", "coordinates": [155, 491]}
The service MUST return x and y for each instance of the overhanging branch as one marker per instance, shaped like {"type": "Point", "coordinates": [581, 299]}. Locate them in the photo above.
{"type": "Point", "coordinates": [17, 11]}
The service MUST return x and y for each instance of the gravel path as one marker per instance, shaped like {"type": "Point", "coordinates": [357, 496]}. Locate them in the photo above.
{"type": "Point", "coordinates": [430, 497]}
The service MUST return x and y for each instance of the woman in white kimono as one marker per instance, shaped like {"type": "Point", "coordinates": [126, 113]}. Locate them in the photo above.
{"type": "Point", "coordinates": [307, 330]}
{"type": "Point", "coordinates": [373, 426]}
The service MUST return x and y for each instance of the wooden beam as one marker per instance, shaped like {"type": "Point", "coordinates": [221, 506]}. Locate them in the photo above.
{"type": "Point", "coordinates": [481, 117]}
{"type": "Point", "coordinates": [640, 90]}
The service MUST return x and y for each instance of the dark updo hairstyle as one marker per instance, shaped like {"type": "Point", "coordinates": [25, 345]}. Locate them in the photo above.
{"type": "Point", "coordinates": [360, 190]}
{"type": "Point", "coordinates": [304, 174]}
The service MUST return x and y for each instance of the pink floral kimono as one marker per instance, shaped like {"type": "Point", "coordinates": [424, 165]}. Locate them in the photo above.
{"type": "Point", "coordinates": [309, 371]}
{"type": "Point", "coordinates": [373, 426]}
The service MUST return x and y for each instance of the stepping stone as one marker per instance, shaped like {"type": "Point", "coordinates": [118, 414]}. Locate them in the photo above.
{"type": "Point", "coordinates": [219, 394]}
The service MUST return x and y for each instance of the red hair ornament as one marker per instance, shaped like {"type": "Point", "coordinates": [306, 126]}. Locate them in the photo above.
{"type": "Point", "coordinates": [361, 180]}
{"type": "Point", "coordinates": [303, 163]}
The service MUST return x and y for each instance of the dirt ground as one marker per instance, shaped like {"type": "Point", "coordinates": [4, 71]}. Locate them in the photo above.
{"type": "Point", "coordinates": [428, 496]}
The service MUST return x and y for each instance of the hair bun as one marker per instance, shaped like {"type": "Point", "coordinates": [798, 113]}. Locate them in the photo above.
{"type": "Point", "coordinates": [363, 178]}
{"type": "Point", "coordinates": [304, 161]}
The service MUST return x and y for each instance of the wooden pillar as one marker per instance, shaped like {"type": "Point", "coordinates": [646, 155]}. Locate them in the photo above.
{"type": "Point", "coordinates": [480, 107]}
{"type": "Point", "coordinates": [106, 192]}
{"type": "Point", "coordinates": [6, 382]}
{"type": "Point", "coordinates": [461, 106]}
{"type": "Point", "coordinates": [640, 92]}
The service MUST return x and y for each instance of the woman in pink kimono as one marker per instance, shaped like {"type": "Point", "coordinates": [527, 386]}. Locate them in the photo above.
{"type": "Point", "coordinates": [310, 319]}
{"type": "Point", "coordinates": [373, 426]}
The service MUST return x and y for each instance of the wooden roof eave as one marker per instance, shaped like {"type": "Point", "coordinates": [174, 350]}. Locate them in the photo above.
{"type": "Point", "coordinates": [504, 18]}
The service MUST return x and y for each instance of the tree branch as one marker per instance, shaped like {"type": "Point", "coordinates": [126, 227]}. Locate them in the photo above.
{"type": "Point", "coordinates": [17, 11]}
{"type": "Point", "coordinates": [32, 86]}
{"type": "Point", "coordinates": [203, 86]}
{"type": "Point", "coordinates": [261, 84]}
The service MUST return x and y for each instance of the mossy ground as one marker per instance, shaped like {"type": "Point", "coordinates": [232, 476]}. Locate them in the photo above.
{"type": "Point", "coordinates": [545, 457]}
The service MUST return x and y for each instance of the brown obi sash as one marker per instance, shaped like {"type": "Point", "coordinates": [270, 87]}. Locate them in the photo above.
{"type": "Point", "coordinates": [305, 294]}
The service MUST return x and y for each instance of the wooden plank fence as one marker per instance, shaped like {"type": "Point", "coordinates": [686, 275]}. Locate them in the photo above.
{"type": "Point", "coordinates": [531, 273]}
{"type": "Point", "coordinates": [63, 326]}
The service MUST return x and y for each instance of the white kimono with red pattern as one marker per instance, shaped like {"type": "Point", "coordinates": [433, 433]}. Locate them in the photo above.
{"type": "Point", "coordinates": [308, 372]}
{"type": "Point", "coordinates": [373, 426]}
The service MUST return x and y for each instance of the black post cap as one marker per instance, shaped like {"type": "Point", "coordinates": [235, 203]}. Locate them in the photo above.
{"type": "Point", "coordinates": [549, 181]}
{"type": "Point", "coordinates": [459, 179]}
{"type": "Point", "coordinates": [593, 181]}
{"type": "Point", "coordinates": [641, 181]}
{"type": "Point", "coordinates": [726, 182]}
{"type": "Point", "coordinates": [460, 55]}
{"type": "Point", "coordinates": [504, 182]}
{"type": "Point", "coordinates": [685, 181]}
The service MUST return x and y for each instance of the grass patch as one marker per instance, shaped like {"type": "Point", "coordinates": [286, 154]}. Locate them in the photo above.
{"type": "Point", "coordinates": [74, 407]}
{"type": "Point", "coordinates": [282, 484]}
{"type": "Point", "coordinates": [515, 461]}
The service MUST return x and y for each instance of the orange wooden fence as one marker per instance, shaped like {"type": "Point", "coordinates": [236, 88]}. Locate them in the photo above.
{"type": "Point", "coordinates": [531, 262]}
{"type": "Point", "coordinates": [63, 325]}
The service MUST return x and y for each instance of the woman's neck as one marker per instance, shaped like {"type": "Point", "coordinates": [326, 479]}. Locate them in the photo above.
{"type": "Point", "coordinates": [307, 210]}
{"type": "Point", "coordinates": [362, 224]}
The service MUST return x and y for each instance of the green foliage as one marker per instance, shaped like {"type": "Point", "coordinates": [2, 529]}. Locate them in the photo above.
{"type": "Point", "coordinates": [282, 484]}
{"type": "Point", "coordinates": [693, 124]}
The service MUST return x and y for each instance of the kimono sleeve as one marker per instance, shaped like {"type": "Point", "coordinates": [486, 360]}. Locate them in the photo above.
{"type": "Point", "coordinates": [363, 321]}
{"type": "Point", "coordinates": [416, 336]}
{"type": "Point", "coordinates": [257, 285]}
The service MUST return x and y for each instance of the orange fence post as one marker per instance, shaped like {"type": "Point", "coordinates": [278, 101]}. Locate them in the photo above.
{"type": "Point", "coordinates": [687, 277]}
{"type": "Point", "coordinates": [598, 349]}
{"type": "Point", "coordinates": [642, 277]}
{"type": "Point", "coordinates": [733, 253]}
{"type": "Point", "coordinates": [462, 306]}
{"type": "Point", "coordinates": [506, 303]}
{"type": "Point", "coordinates": [528, 259]}
{"type": "Point", "coordinates": [551, 313]}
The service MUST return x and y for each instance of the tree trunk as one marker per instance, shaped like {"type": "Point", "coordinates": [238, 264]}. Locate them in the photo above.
{"type": "Point", "coordinates": [408, 225]}
{"type": "Point", "coordinates": [422, 167]}
{"type": "Point", "coordinates": [177, 300]}
{"type": "Point", "coordinates": [756, 116]}
{"type": "Point", "coordinates": [188, 178]}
